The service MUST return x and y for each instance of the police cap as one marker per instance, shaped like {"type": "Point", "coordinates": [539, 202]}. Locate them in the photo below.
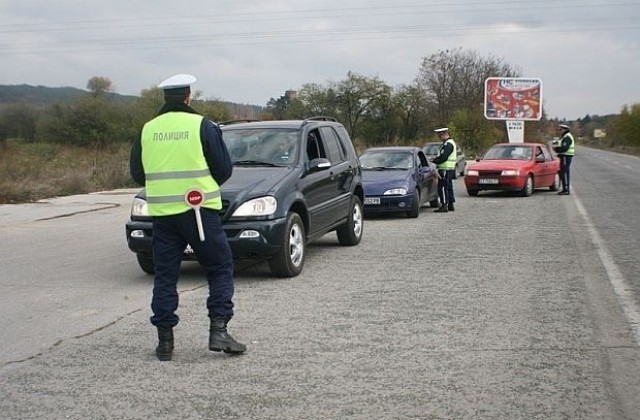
{"type": "Point", "coordinates": [177, 86]}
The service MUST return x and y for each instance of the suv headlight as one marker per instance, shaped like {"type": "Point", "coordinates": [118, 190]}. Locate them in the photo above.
{"type": "Point", "coordinates": [139, 207]}
{"type": "Point", "coordinates": [261, 206]}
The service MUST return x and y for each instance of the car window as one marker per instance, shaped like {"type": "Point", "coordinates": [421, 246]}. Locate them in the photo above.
{"type": "Point", "coordinates": [539, 152]}
{"type": "Point", "coordinates": [422, 159]}
{"type": "Point", "coordinates": [315, 148]}
{"type": "Point", "coordinates": [547, 155]}
{"type": "Point", "coordinates": [335, 151]}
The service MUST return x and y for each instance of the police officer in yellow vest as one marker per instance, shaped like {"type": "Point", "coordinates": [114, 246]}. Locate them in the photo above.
{"type": "Point", "coordinates": [446, 164]}
{"type": "Point", "coordinates": [176, 152]}
{"type": "Point", "coordinates": [565, 150]}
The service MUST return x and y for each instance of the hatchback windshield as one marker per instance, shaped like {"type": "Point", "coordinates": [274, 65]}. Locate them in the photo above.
{"type": "Point", "coordinates": [387, 160]}
{"type": "Point", "coordinates": [277, 146]}
{"type": "Point", "coordinates": [509, 152]}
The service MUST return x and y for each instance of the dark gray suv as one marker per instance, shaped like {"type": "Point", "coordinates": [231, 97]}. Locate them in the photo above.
{"type": "Point", "coordinates": [293, 181]}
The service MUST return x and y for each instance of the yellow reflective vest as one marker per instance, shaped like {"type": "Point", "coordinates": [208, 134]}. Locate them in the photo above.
{"type": "Point", "coordinates": [450, 163]}
{"type": "Point", "coordinates": [572, 146]}
{"type": "Point", "coordinates": [174, 163]}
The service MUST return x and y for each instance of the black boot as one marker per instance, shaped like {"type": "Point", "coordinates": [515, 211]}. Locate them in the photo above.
{"type": "Point", "coordinates": [220, 340]}
{"type": "Point", "coordinates": [450, 207]}
{"type": "Point", "coordinates": [164, 351]}
{"type": "Point", "coordinates": [442, 209]}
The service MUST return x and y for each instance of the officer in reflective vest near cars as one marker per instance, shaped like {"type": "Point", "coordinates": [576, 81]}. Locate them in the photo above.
{"type": "Point", "coordinates": [180, 151]}
{"type": "Point", "coordinates": [446, 164]}
{"type": "Point", "coordinates": [565, 148]}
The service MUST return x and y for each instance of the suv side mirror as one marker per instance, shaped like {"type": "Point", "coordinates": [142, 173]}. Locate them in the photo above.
{"type": "Point", "coordinates": [319, 164]}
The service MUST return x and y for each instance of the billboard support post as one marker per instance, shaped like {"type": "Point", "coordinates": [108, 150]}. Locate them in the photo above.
{"type": "Point", "coordinates": [515, 131]}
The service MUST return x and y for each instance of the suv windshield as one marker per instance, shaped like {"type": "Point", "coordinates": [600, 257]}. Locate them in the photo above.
{"type": "Point", "coordinates": [277, 146]}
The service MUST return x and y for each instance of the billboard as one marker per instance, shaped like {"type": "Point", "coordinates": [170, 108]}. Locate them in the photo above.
{"type": "Point", "coordinates": [513, 98]}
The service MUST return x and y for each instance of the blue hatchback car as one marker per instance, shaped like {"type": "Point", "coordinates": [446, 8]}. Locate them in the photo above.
{"type": "Point", "coordinates": [398, 179]}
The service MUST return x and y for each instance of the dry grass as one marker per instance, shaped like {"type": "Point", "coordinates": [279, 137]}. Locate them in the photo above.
{"type": "Point", "coordinates": [33, 171]}
{"type": "Point", "coordinates": [30, 172]}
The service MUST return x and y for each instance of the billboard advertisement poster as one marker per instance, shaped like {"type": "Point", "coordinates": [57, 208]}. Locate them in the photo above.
{"type": "Point", "coordinates": [513, 98]}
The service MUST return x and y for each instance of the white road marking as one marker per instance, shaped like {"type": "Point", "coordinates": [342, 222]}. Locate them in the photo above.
{"type": "Point", "coordinates": [622, 290]}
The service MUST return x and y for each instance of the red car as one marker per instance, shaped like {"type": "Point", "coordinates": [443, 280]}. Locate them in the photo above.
{"type": "Point", "coordinates": [518, 167]}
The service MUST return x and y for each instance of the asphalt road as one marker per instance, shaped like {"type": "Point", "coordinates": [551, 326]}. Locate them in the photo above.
{"type": "Point", "coordinates": [528, 310]}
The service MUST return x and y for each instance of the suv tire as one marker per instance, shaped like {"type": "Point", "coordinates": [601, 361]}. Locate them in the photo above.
{"type": "Point", "coordinates": [146, 263]}
{"type": "Point", "coordinates": [288, 262]}
{"type": "Point", "coordinates": [350, 233]}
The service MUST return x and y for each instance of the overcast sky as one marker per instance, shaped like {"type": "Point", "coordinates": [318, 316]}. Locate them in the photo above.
{"type": "Point", "coordinates": [587, 52]}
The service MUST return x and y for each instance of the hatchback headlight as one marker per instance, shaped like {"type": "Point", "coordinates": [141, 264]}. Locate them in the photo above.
{"type": "Point", "coordinates": [262, 206]}
{"type": "Point", "coordinates": [510, 172]}
{"type": "Point", "coordinates": [472, 172]}
{"type": "Point", "coordinates": [396, 191]}
{"type": "Point", "coordinates": [139, 207]}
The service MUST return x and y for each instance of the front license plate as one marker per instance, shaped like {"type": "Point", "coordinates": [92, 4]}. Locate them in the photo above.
{"type": "Point", "coordinates": [372, 200]}
{"type": "Point", "coordinates": [488, 181]}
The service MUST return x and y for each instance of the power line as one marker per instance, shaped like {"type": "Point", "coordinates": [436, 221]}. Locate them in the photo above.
{"type": "Point", "coordinates": [361, 13]}
{"type": "Point", "coordinates": [300, 36]}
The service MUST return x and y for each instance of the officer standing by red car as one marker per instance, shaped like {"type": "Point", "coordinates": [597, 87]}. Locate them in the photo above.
{"type": "Point", "coordinates": [177, 153]}
{"type": "Point", "coordinates": [446, 164]}
{"type": "Point", "coordinates": [565, 150]}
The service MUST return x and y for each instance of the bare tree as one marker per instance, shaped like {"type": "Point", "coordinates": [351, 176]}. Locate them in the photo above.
{"type": "Point", "coordinates": [454, 79]}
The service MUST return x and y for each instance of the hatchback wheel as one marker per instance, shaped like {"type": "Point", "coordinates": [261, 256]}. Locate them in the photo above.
{"type": "Point", "coordinates": [288, 262]}
{"type": "Point", "coordinates": [556, 183]}
{"type": "Point", "coordinates": [350, 233]}
{"type": "Point", "coordinates": [527, 190]}
{"type": "Point", "coordinates": [415, 205]}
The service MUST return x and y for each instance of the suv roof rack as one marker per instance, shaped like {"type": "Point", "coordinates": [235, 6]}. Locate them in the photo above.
{"type": "Point", "coordinates": [236, 122]}
{"type": "Point", "coordinates": [318, 118]}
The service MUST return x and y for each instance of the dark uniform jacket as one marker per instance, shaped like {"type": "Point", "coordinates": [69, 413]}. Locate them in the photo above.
{"type": "Point", "coordinates": [564, 144]}
{"type": "Point", "coordinates": [445, 151]}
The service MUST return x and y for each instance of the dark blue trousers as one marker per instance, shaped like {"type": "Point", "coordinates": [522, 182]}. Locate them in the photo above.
{"type": "Point", "coordinates": [445, 187]}
{"type": "Point", "coordinates": [565, 171]}
{"type": "Point", "coordinates": [171, 234]}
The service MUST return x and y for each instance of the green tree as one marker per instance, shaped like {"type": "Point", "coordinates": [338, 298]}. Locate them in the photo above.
{"type": "Point", "coordinates": [99, 86]}
{"type": "Point", "coordinates": [318, 100]}
{"type": "Point", "coordinates": [626, 127]}
{"type": "Point", "coordinates": [355, 97]}
{"type": "Point", "coordinates": [412, 110]}
{"type": "Point", "coordinates": [473, 132]}
{"type": "Point", "coordinates": [212, 109]}
{"type": "Point", "coordinates": [20, 121]}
